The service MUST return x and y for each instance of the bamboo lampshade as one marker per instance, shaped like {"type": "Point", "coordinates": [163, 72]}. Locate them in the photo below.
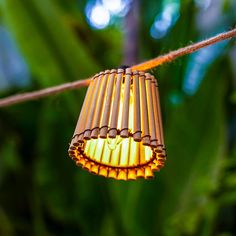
{"type": "Point", "coordinates": [119, 132]}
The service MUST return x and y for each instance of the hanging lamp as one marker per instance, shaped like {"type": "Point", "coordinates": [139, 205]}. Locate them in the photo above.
{"type": "Point", "coordinates": [119, 131]}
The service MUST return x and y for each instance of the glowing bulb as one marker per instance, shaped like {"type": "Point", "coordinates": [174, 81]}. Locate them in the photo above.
{"type": "Point", "coordinates": [114, 142]}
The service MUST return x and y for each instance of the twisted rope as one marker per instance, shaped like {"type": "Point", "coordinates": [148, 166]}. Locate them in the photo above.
{"type": "Point", "coordinates": [171, 56]}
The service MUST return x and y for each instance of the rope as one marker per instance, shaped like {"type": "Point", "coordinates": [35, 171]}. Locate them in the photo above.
{"type": "Point", "coordinates": [142, 66]}
{"type": "Point", "coordinates": [42, 93]}
{"type": "Point", "coordinates": [171, 56]}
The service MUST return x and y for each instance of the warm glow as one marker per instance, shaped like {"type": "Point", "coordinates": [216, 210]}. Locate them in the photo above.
{"type": "Point", "coordinates": [119, 151]}
{"type": "Point", "coordinates": [124, 153]}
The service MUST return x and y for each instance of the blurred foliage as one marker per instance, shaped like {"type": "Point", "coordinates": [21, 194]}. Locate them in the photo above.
{"type": "Point", "coordinates": [42, 192]}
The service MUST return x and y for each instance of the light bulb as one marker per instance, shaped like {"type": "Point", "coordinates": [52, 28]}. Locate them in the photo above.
{"type": "Point", "coordinates": [114, 142]}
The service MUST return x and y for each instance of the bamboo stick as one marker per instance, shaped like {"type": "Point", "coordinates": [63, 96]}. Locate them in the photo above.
{"type": "Point", "coordinates": [91, 152]}
{"type": "Point", "coordinates": [103, 171]}
{"type": "Point", "coordinates": [115, 156]}
{"type": "Point", "coordinates": [154, 167]}
{"type": "Point", "coordinates": [148, 173]}
{"type": "Point", "coordinates": [80, 162]}
{"type": "Point", "coordinates": [72, 153]}
{"type": "Point", "coordinates": [132, 174]}
{"type": "Point", "coordinates": [137, 119]}
{"type": "Point", "coordinates": [140, 173]}
{"type": "Point", "coordinates": [94, 169]}
{"type": "Point", "coordinates": [112, 173]}
{"type": "Point", "coordinates": [124, 157]}
{"type": "Point", "coordinates": [87, 165]}
{"type": "Point", "coordinates": [99, 105]}
{"type": "Point", "coordinates": [107, 106]}
{"type": "Point", "coordinates": [134, 153]}
{"type": "Point", "coordinates": [87, 132]}
{"type": "Point", "coordinates": [151, 118]}
{"type": "Point", "coordinates": [142, 154]}
{"type": "Point", "coordinates": [144, 111]}
{"type": "Point", "coordinates": [99, 150]}
{"type": "Point", "coordinates": [159, 115]}
{"type": "Point", "coordinates": [122, 174]}
{"type": "Point", "coordinates": [106, 154]}
{"type": "Point", "coordinates": [124, 133]}
{"type": "Point", "coordinates": [116, 103]}
{"type": "Point", "coordinates": [86, 148]}
{"type": "Point", "coordinates": [154, 98]}
{"type": "Point", "coordinates": [83, 113]}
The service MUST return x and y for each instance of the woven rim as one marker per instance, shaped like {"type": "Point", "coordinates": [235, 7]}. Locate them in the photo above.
{"type": "Point", "coordinates": [157, 161]}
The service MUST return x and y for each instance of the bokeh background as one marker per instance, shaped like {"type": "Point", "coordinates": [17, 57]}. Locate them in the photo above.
{"type": "Point", "coordinates": [48, 42]}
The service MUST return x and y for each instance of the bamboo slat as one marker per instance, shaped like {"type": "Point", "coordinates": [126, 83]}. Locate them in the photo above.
{"type": "Point", "coordinates": [137, 119]}
{"type": "Point", "coordinates": [124, 158]}
{"type": "Point", "coordinates": [99, 150]}
{"type": "Point", "coordinates": [122, 175]}
{"type": "Point", "coordinates": [140, 173]}
{"type": "Point", "coordinates": [112, 174]}
{"type": "Point", "coordinates": [91, 151]}
{"type": "Point", "coordinates": [151, 119]}
{"type": "Point", "coordinates": [154, 98]}
{"type": "Point", "coordinates": [99, 106]}
{"type": "Point", "coordinates": [94, 169]}
{"type": "Point", "coordinates": [80, 162]}
{"type": "Point", "coordinates": [134, 154]}
{"type": "Point", "coordinates": [87, 165]}
{"type": "Point", "coordinates": [132, 175]}
{"type": "Point", "coordinates": [116, 103]}
{"type": "Point", "coordinates": [83, 113]}
{"type": "Point", "coordinates": [87, 132]}
{"type": "Point", "coordinates": [103, 171]}
{"type": "Point", "coordinates": [154, 167]}
{"type": "Point", "coordinates": [142, 154]}
{"type": "Point", "coordinates": [107, 105]}
{"type": "Point", "coordinates": [144, 111]}
{"type": "Point", "coordinates": [106, 155]}
{"type": "Point", "coordinates": [115, 156]}
{"type": "Point", "coordinates": [148, 173]}
{"type": "Point", "coordinates": [159, 115]}
{"type": "Point", "coordinates": [124, 133]}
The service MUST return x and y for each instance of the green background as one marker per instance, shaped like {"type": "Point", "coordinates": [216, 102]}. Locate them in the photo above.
{"type": "Point", "coordinates": [42, 191]}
